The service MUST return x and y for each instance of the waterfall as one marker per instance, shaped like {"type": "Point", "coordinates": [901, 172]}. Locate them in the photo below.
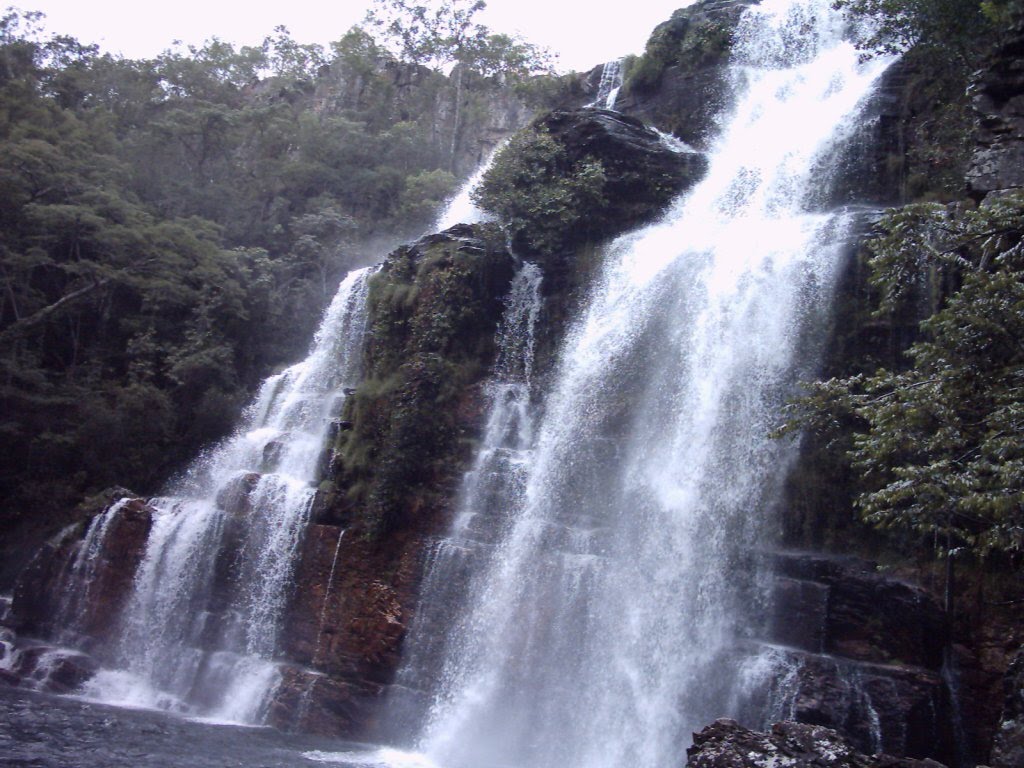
{"type": "Point", "coordinates": [609, 86]}
{"type": "Point", "coordinates": [604, 626]}
{"type": "Point", "coordinates": [80, 576]}
{"type": "Point", "coordinates": [461, 209]}
{"type": "Point", "coordinates": [201, 627]}
{"type": "Point", "coordinates": [495, 479]}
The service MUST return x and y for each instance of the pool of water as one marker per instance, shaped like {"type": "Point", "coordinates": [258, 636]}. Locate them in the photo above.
{"type": "Point", "coordinates": [39, 730]}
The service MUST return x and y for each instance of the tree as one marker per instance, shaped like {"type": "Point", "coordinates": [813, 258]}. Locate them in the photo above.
{"type": "Point", "coordinates": [445, 34]}
{"type": "Point", "coordinates": [434, 35]}
{"type": "Point", "coordinates": [955, 28]}
{"type": "Point", "coordinates": [937, 445]}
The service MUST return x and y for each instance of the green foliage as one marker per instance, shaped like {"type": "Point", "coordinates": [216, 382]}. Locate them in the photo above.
{"type": "Point", "coordinates": [688, 40]}
{"type": "Point", "coordinates": [170, 229]}
{"type": "Point", "coordinates": [957, 28]}
{"type": "Point", "coordinates": [433, 313]}
{"type": "Point", "coordinates": [937, 444]}
{"type": "Point", "coordinates": [425, 193]}
{"type": "Point", "coordinates": [538, 193]}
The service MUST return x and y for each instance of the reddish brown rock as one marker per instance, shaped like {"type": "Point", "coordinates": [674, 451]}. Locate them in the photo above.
{"type": "Point", "coordinates": [46, 590]}
{"type": "Point", "coordinates": [348, 629]}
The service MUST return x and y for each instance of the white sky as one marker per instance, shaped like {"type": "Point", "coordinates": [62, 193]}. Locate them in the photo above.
{"type": "Point", "coordinates": [581, 32]}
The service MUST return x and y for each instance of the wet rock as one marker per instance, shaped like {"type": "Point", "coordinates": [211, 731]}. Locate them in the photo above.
{"type": "Point", "coordinates": [1008, 746]}
{"type": "Point", "coordinates": [800, 614]}
{"type": "Point", "coordinates": [46, 668]}
{"type": "Point", "coordinates": [49, 587]}
{"type": "Point", "coordinates": [233, 497]}
{"type": "Point", "coordinates": [272, 454]}
{"type": "Point", "coordinates": [998, 161]}
{"type": "Point", "coordinates": [900, 709]}
{"type": "Point", "coordinates": [680, 83]}
{"type": "Point", "coordinates": [726, 744]}
{"type": "Point", "coordinates": [346, 624]}
{"type": "Point", "coordinates": [312, 702]}
{"type": "Point", "coordinates": [870, 616]}
{"type": "Point", "coordinates": [858, 651]}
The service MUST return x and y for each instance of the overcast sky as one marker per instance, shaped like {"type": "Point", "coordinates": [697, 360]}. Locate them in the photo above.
{"type": "Point", "coordinates": [583, 32]}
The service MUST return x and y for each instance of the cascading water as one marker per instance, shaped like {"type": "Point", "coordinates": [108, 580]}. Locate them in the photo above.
{"type": "Point", "coordinates": [609, 86]}
{"type": "Point", "coordinates": [81, 573]}
{"type": "Point", "coordinates": [485, 498]}
{"type": "Point", "coordinates": [461, 209]}
{"type": "Point", "coordinates": [201, 627]}
{"type": "Point", "coordinates": [603, 629]}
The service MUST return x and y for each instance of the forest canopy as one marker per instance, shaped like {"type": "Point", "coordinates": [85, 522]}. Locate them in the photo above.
{"type": "Point", "coordinates": [172, 226]}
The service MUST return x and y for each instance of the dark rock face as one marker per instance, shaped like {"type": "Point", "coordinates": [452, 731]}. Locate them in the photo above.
{"type": "Point", "coordinates": [1008, 747]}
{"type": "Point", "coordinates": [867, 616]}
{"type": "Point", "coordinates": [856, 651]}
{"type": "Point", "coordinates": [643, 172]}
{"type": "Point", "coordinates": [998, 161]}
{"type": "Point", "coordinates": [680, 84]}
{"type": "Point", "coordinates": [726, 744]}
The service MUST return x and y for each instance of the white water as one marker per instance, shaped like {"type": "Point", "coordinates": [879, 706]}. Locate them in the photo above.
{"type": "Point", "coordinates": [609, 86]}
{"type": "Point", "coordinates": [602, 631]}
{"type": "Point", "coordinates": [487, 495]}
{"type": "Point", "coordinates": [81, 574]}
{"type": "Point", "coordinates": [201, 628]}
{"type": "Point", "coordinates": [461, 209]}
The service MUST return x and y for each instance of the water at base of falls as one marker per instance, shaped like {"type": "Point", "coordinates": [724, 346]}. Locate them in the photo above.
{"type": "Point", "coordinates": [47, 731]}
{"type": "Point", "coordinates": [199, 634]}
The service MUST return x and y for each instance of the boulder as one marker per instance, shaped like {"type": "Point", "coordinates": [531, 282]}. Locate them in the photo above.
{"type": "Point", "coordinates": [643, 170]}
{"type": "Point", "coordinates": [726, 744]}
{"type": "Point", "coordinates": [580, 176]}
{"type": "Point", "coordinates": [680, 82]}
{"type": "Point", "coordinates": [43, 667]}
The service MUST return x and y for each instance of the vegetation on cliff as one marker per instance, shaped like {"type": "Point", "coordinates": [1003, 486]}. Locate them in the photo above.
{"type": "Point", "coordinates": [583, 176]}
{"type": "Point", "coordinates": [434, 309]}
{"type": "Point", "coordinates": [171, 227]}
{"type": "Point", "coordinates": [935, 443]}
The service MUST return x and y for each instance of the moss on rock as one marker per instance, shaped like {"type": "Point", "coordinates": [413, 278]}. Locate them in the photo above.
{"type": "Point", "coordinates": [577, 176]}
{"type": "Point", "coordinates": [434, 309]}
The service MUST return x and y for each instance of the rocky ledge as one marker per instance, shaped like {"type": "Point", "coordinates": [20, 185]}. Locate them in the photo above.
{"type": "Point", "coordinates": [727, 744]}
{"type": "Point", "coordinates": [998, 161]}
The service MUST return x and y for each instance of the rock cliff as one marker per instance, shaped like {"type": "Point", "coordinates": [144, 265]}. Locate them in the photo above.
{"type": "Point", "coordinates": [869, 655]}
